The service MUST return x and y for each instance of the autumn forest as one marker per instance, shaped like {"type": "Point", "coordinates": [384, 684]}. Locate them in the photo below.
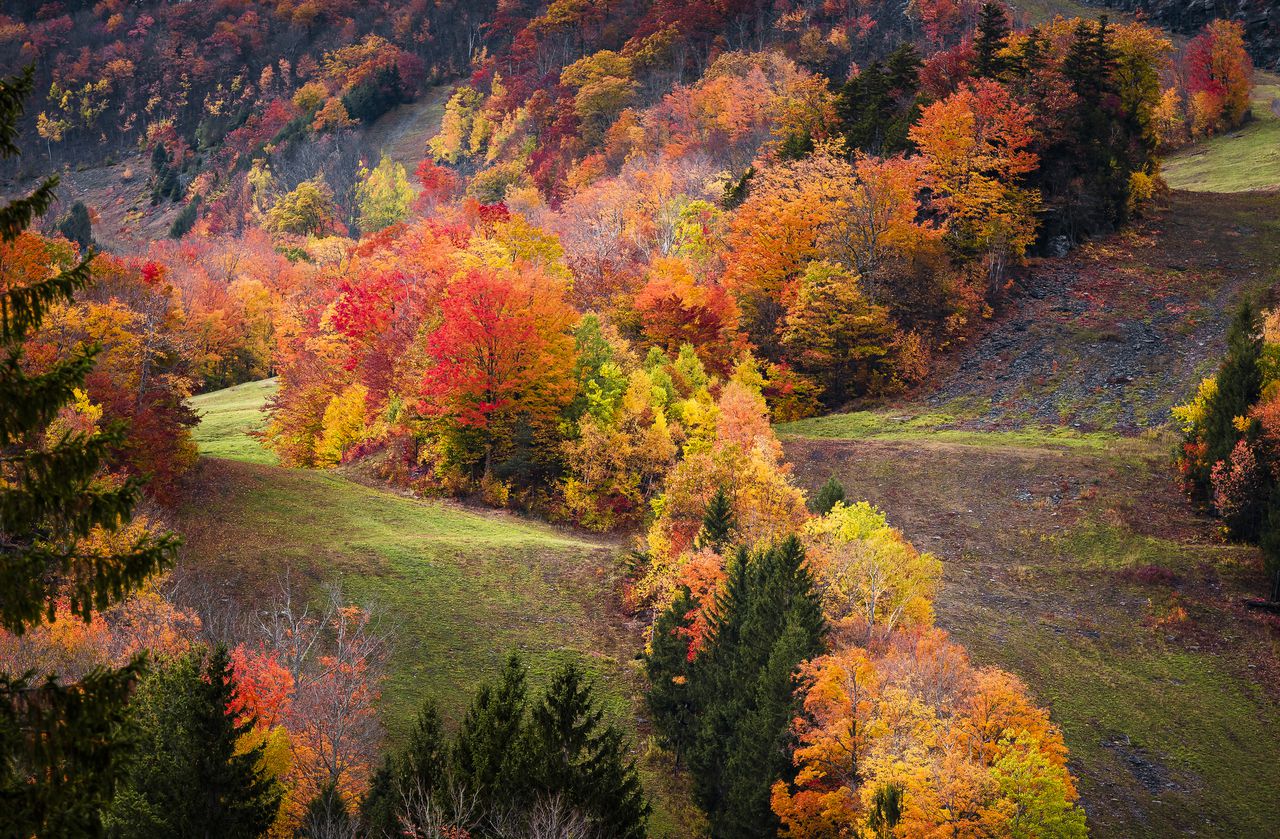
{"type": "Point", "coordinates": [617, 418]}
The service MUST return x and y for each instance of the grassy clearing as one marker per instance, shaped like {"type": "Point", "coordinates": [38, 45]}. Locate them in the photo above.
{"type": "Point", "coordinates": [456, 589]}
{"type": "Point", "coordinates": [1041, 11]}
{"type": "Point", "coordinates": [1241, 161]}
{"type": "Point", "coordinates": [228, 416]}
{"type": "Point", "coordinates": [938, 427]}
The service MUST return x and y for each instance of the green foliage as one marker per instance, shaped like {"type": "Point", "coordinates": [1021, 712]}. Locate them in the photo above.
{"type": "Point", "coordinates": [185, 220]}
{"type": "Point", "coordinates": [77, 226]}
{"type": "Point", "coordinates": [877, 107]}
{"type": "Point", "coordinates": [769, 620]}
{"type": "Point", "coordinates": [327, 816]}
{"type": "Point", "coordinates": [1239, 384]}
{"type": "Point", "coordinates": [306, 211]}
{"type": "Point", "coordinates": [384, 195]}
{"type": "Point", "coordinates": [717, 522]}
{"type": "Point", "coordinates": [993, 36]}
{"type": "Point", "coordinates": [573, 753]}
{"type": "Point", "coordinates": [829, 495]}
{"type": "Point", "coordinates": [886, 810]}
{"type": "Point", "coordinates": [188, 777]}
{"type": "Point", "coordinates": [670, 698]}
{"type": "Point", "coordinates": [485, 754]}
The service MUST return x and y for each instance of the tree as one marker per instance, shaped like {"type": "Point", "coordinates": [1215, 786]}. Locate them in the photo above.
{"type": "Point", "coordinates": [573, 753]}
{"type": "Point", "coordinates": [1219, 76]}
{"type": "Point", "coordinates": [976, 149]}
{"type": "Point", "coordinates": [60, 745]}
{"type": "Point", "coordinates": [829, 495]}
{"type": "Point", "coordinates": [992, 38]}
{"type": "Point", "coordinates": [384, 195]}
{"type": "Point", "coordinates": [1239, 383]}
{"type": "Point", "coordinates": [717, 522]}
{"type": "Point", "coordinates": [667, 664]}
{"type": "Point", "coordinates": [768, 621]}
{"type": "Point", "coordinates": [77, 226]}
{"type": "Point", "coordinates": [306, 211]}
{"type": "Point", "coordinates": [833, 333]}
{"type": "Point", "coordinates": [190, 776]}
{"type": "Point", "coordinates": [486, 754]}
{"type": "Point", "coordinates": [502, 352]}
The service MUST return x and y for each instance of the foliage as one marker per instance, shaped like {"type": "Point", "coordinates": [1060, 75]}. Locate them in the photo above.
{"type": "Point", "coordinates": [384, 195]}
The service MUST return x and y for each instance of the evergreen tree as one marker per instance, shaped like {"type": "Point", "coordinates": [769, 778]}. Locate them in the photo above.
{"type": "Point", "coordinates": [485, 756]}
{"type": "Point", "coordinates": [769, 620]}
{"type": "Point", "coordinates": [188, 777]}
{"type": "Point", "coordinates": [717, 522]}
{"type": "Point", "coordinates": [1269, 542]}
{"type": "Point", "coordinates": [572, 753]}
{"type": "Point", "coordinates": [1239, 385]}
{"type": "Point", "coordinates": [992, 37]}
{"type": "Point", "coordinates": [327, 816]}
{"type": "Point", "coordinates": [877, 107]}
{"type": "Point", "coordinates": [380, 808]}
{"type": "Point", "coordinates": [670, 697]}
{"type": "Point", "coordinates": [60, 745]}
{"type": "Point", "coordinates": [77, 226]}
{"type": "Point", "coordinates": [831, 494]}
{"type": "Point", "coordinates": [886, 810]}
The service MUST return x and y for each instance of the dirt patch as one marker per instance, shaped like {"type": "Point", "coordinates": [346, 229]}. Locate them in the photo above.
{"type": "Point", "coordinates": [1116, 334]}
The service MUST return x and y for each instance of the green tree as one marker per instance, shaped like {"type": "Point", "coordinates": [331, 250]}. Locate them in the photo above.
{"type": "Point", "coordinates": [831, 494]}
{"type": "Point", "coordinates": [1239, 385]}
{"type": "Point", "coordinates": [572, 753]}
{"type": "Point", "coordinates": [717, 522]}
{"type": "Point", "coordinates": [992, 37]}
{"type": "Point", "coordinates": [485, 755]}
{"type": "Point", "coordinates": [188, 778]}
{"type": "Point", "coordinates": [327, 816]}
{"type": "Point", "coordinates": [306, 211]}
{"type": "Point", "coordinates": [77, 226]}
{"type": "Point", "coordinates": [61, 745]}
{"type": "Point", "coordinates": [384, 196]}
{"type": "Point", "coordinates": [768, 621]}
{"type": "Point", "coordinates": [670, 697]}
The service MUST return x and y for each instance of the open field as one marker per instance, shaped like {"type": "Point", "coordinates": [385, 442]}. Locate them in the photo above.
{"type": "Point", "coordinates": [1239, 161]}
{"type": "Point", "coordinates": [227, 417]}
{"type": "Point", "coordinates": [1166, 689]}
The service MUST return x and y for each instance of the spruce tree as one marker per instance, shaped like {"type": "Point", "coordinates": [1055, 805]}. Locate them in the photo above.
{"type": "Point", "coordinates": [992, 37]}
{"type": "Point", "coordinates": [381, 806]}
{"type": "Point", "coordinates": [189, 777]}
{"type": "Point", "coordinates": [670, 697]}
{"type": "Point", "coordinates": [831, 494]}
{"type": "Point", "coordinates": [717, 522]}
{"type": "Point", "coordinates": [572, 753]}
{"type": "Point", "coordinates": [769, 620]}
{"type": "Point", "coordinates": [77, 226]}
{"type": "Point", "coordinates": [327, 816]}
{"type": "Point", "coordinates": [1239, 385]}
{"type": "Point", "coordinates": [485, 756]}
{"type": "Point", "coordinates": [50, 499]}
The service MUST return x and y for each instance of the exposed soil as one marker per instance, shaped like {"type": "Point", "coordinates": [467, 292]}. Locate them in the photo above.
{"type": "Point", "coordinates": [1114, 335]}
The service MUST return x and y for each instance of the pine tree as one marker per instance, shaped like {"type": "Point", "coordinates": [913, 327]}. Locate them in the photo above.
{"type": "Point", "coordinates": [1239, 385]}
{"type": "Point", "coordinates": [670, 698]}
{"type": "Point", "coordinates": [886, 810]}
{"type": "Point", "coordinates": [992, 38]}
{"type": "Point", "coordinates": [1269, 542]}
{"type": "Point", "coordinates": [327, 816]}
{"type": "Point", "coordinates": [77, 226]}
{"type": "Point", "coordinates": [572, 753]}
{"type": "Point", "coordinates": [189, 776]}
{"type": "Point", "coordinates": [50, 499]}
{"type": "Point", "coordinates": [831, 494]}
{"type": "Point", "coordinates": [768, 621]}
{"type": "Point", "coordinates": [717, 522]}
{"type": "Point", "coordinates": [380, 808]}
{"type": "Point", "coordinates": [485, 756]}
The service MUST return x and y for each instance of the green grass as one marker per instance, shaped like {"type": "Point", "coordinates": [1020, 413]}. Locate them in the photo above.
{"type": "Point", "coordinates": [226, 418]}
{"type": "Point", "coordinates": [455, 589]}
{"type": "Point", "coordinates": [1240, 161]}
{"type": "Point", "coordinates": [1041, 11]}
{"type": "Point", "coordinates": [888, 425]}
